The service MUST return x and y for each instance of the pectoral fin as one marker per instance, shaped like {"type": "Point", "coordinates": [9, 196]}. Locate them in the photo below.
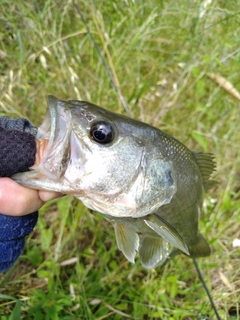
{"type": "Point", "coordinates": [153, 251]}
{"type": "Point", "coordinates": [167, 231]}
{"type": "Point", "coordinates": [127, 241]}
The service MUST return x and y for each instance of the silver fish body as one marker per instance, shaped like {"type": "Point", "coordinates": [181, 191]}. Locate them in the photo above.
{"type": "Point", "coordinates": [149, 183]}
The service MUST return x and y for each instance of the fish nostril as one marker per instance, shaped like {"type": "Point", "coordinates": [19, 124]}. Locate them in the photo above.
{"type": "Point", "coordinates": [89, 117]}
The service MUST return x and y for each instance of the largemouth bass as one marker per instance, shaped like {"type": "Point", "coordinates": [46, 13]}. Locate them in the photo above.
{"type": "Point", "coordinates": [147, 182]}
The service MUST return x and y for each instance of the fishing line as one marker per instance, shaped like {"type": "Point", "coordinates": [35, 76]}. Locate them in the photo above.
{"type": "Point", "coordinates": [206, 288]}
{"type": "Point", "coordinates": [103, 61]}
{"type": "Point", "coordinates": [129, 114]}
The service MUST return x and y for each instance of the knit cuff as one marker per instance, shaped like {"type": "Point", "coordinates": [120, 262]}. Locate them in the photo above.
{"type": "Point", "coordinates": [18, 150]}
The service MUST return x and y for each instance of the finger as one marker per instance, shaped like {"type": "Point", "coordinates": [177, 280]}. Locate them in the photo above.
{"type": "Point", "coordinates": [49, 195]}
{"type": "Point", "coordinates": [17, 200]}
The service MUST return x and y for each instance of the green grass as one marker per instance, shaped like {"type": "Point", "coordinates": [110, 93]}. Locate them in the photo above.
{"type": "Point", "coordinates": [161, 53]}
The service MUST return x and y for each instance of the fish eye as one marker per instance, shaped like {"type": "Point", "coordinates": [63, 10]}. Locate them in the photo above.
{"type": "Point", "coordinates": [102, 132]}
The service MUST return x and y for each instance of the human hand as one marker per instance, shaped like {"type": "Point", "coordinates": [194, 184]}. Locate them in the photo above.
{"type": "Point", "coordinates": [18, 204]}
{"type": "Point", "coordinates": [16, 200]}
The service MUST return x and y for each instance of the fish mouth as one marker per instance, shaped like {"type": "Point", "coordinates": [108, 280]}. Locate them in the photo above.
{"type": "Point", "coordinates": [56, 128]}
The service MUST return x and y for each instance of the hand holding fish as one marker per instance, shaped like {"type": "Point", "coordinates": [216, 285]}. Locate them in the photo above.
{"type": "Point", "coordinates": [18, 205]}
{"type": "Point", "coordinates": [16, 200]}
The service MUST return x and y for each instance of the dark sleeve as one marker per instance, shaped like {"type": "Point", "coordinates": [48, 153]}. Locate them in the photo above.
{"type": "Point", "coordinates": [18, 150]}
{"type": "Point", "coordinates": [17, 154]}
{"type": "Point", "coordinates": [13, 231]}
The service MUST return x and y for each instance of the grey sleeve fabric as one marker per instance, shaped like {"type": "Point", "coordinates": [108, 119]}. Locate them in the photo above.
{"type": "Point", "coordinates": [22, 125]}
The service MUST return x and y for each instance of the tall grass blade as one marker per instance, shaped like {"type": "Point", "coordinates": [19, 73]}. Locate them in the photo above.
{"type": "Point", "coordinates": [104, 62]}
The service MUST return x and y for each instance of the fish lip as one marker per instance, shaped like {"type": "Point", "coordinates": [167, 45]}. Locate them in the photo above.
{"type": "Point", "coordinates": [53, 110]}
{"type": "Point", "coordinates": [47, 129]}
{"type": "Point", "coordinates": [51, 164]}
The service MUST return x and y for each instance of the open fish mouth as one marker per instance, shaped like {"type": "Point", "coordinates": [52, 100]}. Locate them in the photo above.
{"type": "Point", "coordinates": [56, 128]}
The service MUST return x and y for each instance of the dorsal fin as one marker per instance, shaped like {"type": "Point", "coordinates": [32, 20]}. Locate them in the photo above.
{"type": "Point", "coordinates": [206, 165]}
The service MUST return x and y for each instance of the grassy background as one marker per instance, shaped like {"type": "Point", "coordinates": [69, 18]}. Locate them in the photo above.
{"type": "Point", "coordinates": [160, 53]}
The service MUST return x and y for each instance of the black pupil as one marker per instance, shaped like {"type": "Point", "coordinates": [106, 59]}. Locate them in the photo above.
{"type": "Point", "coordinates": [102, 132]}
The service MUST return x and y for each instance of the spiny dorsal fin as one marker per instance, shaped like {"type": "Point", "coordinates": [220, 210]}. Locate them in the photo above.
{"type": "Point", "coordinates": [206, 165]}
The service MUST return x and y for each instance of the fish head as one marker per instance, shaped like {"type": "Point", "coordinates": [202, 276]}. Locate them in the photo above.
{"type": "Point", "coordinates": [106, 160]}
